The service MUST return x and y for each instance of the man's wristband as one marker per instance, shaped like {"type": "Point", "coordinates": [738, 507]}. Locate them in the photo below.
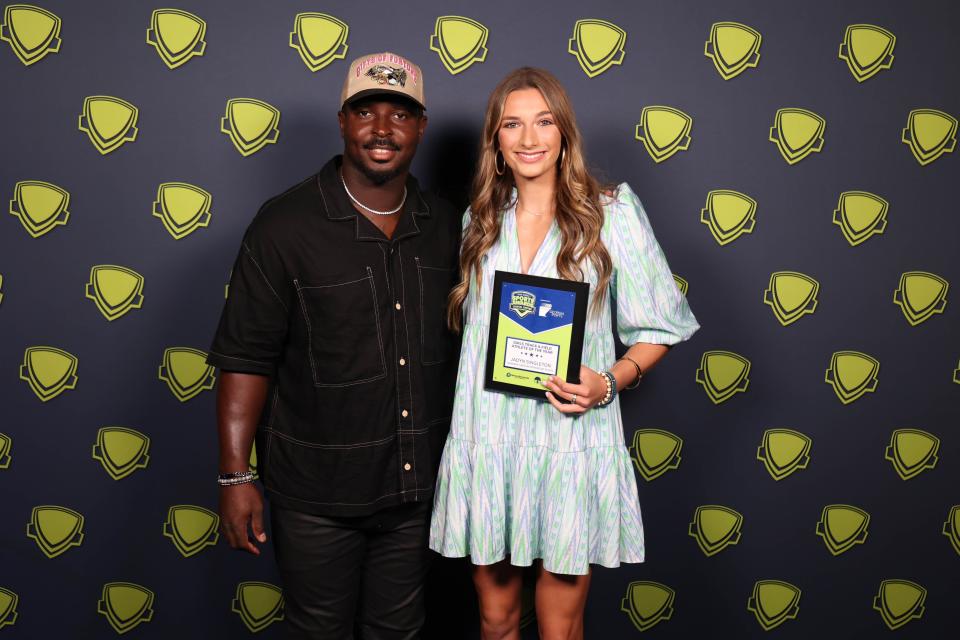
{"type": "Point", "coordinates": [237, 477]}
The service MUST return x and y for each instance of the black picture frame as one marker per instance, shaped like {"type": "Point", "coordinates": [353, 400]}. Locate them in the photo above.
{"type": "Point", "coordinates": [581, 291]}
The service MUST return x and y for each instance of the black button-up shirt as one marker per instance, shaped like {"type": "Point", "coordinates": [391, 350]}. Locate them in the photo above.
{"type": "Point", "coordinates": [351, 327]}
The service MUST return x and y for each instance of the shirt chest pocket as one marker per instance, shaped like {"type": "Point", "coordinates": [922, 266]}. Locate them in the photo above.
{"type": "Point", "coordinates": [435, 284]}
{"type": "Point", "coordinates": [343, 329]}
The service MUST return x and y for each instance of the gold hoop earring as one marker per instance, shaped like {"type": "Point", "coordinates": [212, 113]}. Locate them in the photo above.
{"type": "Point", "coordinates": [496, 163]}
{"type": "Point", "coordinates": [563, 154]}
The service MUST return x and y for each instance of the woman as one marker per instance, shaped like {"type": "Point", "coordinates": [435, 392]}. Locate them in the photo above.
{"type": "Point", "coordinates": [524, 480]}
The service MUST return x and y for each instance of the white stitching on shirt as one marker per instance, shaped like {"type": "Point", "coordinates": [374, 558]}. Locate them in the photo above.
{"type": "Point", "coordinates": [223, 355]}
{"type": "Point", "coordinates": [264, 276]}
{"type": "Point", "coordinates": [316, 445]}
{"type": "Point", "coordinates": [306, 317]}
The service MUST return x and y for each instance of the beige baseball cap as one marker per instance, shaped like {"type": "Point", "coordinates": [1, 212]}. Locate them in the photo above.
{"type": "Point", "coordinates": [383, 73]}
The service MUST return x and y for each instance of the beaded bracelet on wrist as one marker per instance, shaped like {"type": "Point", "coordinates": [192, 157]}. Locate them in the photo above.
{"type": "Point", "coordinates": [236, 477]}
{"type": "Point", "coordinates": [611, 389]}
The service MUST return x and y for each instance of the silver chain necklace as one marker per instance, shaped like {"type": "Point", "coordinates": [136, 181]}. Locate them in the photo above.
{"type": "Point", "coordinates": [374, 211]}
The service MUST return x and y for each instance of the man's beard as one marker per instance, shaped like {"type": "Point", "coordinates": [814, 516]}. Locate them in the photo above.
{"type": "Point", "coordinates": [378, 177]}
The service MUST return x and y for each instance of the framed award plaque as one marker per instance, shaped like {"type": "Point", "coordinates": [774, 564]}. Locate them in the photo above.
{"type": "Point", "coordinates": [536, 331]}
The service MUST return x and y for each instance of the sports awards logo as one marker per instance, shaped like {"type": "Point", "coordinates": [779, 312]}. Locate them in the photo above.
{"type": "Point", "coordinates": [723, 374]}
{"type": "Point", "coordinates": [912, 451]}
{"type": "Point", "coordinates": [791, 295]}
{"type": "Point", "coordinates": [115, 290]}
{"type": "Point", "coordinates": [259, 604]}
{"type": "Point", "coordinates": [40, 206]}
{"type": "Point", "coordinates": [797, 133]}
{"type": "Point", "coordinates": [49, 371]}
{"type": "Point", "coordinates": [867, 49]}
{"type": "Point", "coordinates": [664, 131]}
{"type": "Point", "coordinates": [31, 31]}
{"type": "Point", "coordinates": [125, 605]}
{"type": "Point", "coordinates": [182, 208]}
{"type": "Point", "coordinates": [860, 215]}
{"type": "Point", "coordinates": [523, 303]}
{"type": "Point", "coordinates": [899, 602]}
{"type": "Point", "coordinates": [6, 445]}
{"type": "Point", "coordinates": [8, 607]}
{"type": "Point", "coordinates": [55, 529]}
{"type": "Point", "coordinates": [186, 372]}
{"type": "Point", "coordinates": [121, 451]}
{"type": "Point", "coordinates": [951, 528]}
{"type": "Point", "coordinates": [191, 528]}
{"type": "Point", "coordinates": [654, 452]}
{"type": "Point", "coordinates": [648, 603]}
{"type": "Point", "coordinates": [733, 48]}
{"type": "Point", "coordinates": [597, 45]}
{"type": "Point", "coordinates": [177, 36]}
{"type": "Point", "coordinates": [852, 374]}
{"type": "Point", "coordinates": [784, 451]}
{"type": "Point", "coordinates": [773, 602]}
{"type": "Point", "coordinates": [319, 39]}
{"type": "Point", "coordinates": [250, 124]}
{"type": "Point", "coordinates": [109, 122]}
{"type": "Point", "coordinates": [682, 284]}
{"type": "Point", "coordinates": [929, 134]}
{"type": "Point", "coordinates": [715, 528]}
{"type": "Point", "coordinates": [920, 295]}
{"type": "Point", "coordinates": [729, 214]}
{"type": "Point", "coordinates": [842, 526]}
{"type": "Point", "coordinates": [459, 41]}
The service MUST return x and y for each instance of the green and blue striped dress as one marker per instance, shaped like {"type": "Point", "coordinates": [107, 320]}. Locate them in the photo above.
{"type": "Point", "coordinates": [519, 479]}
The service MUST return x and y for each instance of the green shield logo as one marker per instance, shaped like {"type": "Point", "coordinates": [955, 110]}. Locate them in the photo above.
{"type": "Point", "coordinates": [842, 526]}
{"type": "Point", "coordinates": [191, 528]}
{"type": "Point", "coordinates": [125, 605]}
{"type": "Point", "coordinates": [774, 602]}
{"type": "Point", "coordinates": [899, 602]}
{"type": "Point", "coordinates": [647, 603]}
{"type": "Point", "coordinates": [259, 604]}
{"type": "Point", "coordinates": [654, 452]}
{"type": "Point", "coordinates": [784, 451]}
{"type": "Point", "coordinates": [715, 528]}
{"type": "Point", "coordinates": [912, 451]}
{"type": "Point", "coordinates": [55, 529]}
{"type": "Point", "coordinates": [121, 451]}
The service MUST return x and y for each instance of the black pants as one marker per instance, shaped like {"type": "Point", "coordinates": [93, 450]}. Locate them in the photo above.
{"type": "Point", "coordinates": [353, 577]}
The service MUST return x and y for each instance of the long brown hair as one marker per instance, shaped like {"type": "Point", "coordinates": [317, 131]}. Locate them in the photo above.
{"type": "Point", "coordinates": [579, 210]}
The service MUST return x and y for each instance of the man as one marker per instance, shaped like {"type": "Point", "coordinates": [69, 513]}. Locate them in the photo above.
{"type": "Point", "coordinates": [334, 351]}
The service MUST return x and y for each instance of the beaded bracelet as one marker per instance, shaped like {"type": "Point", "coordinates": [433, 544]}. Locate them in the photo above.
{"type": "Point", "coordinates": [237, 477]}
{"type": "Point", "coordinates": [611, 388]}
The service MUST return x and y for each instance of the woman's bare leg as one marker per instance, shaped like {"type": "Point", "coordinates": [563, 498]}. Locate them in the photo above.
{"type": "Point", "coordinates": [498, 591]}
{"type": "Point", "coordinates": [560, 601]}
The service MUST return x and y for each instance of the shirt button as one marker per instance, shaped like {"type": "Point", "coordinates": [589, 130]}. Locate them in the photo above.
{"type": "Point", "coordinates": [407, 467]}
{"type": "Point", "coordinates": [397, 306]}
{"type": "Point", "coordinates": [402, 362]}
{"type": "Point", "coordinates": [404, 413]}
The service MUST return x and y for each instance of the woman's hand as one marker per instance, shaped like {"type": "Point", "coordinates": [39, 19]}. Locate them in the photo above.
{"type": "Point", "coordinates": [586, 395]}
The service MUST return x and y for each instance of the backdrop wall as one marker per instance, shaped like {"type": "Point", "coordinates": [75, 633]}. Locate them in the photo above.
{"type": "Point", "coordinates": [796, 459]}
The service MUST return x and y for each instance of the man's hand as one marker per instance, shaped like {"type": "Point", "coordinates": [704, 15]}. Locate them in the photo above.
{"type": "Point", "coordinates": [241, 510]}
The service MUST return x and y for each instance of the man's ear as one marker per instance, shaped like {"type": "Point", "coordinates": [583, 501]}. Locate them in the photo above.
{"type": "Point", "coordinates": [423, 126]}
{"type": "Point", "coordinates": [341, 118]}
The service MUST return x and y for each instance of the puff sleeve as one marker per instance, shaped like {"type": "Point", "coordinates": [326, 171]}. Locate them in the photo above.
{"type": "Point", "coordinates": [649, 305]}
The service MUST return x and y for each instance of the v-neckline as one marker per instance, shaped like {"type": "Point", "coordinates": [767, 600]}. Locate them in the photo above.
{"type": "Point", "coordinates": [536, 253]}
